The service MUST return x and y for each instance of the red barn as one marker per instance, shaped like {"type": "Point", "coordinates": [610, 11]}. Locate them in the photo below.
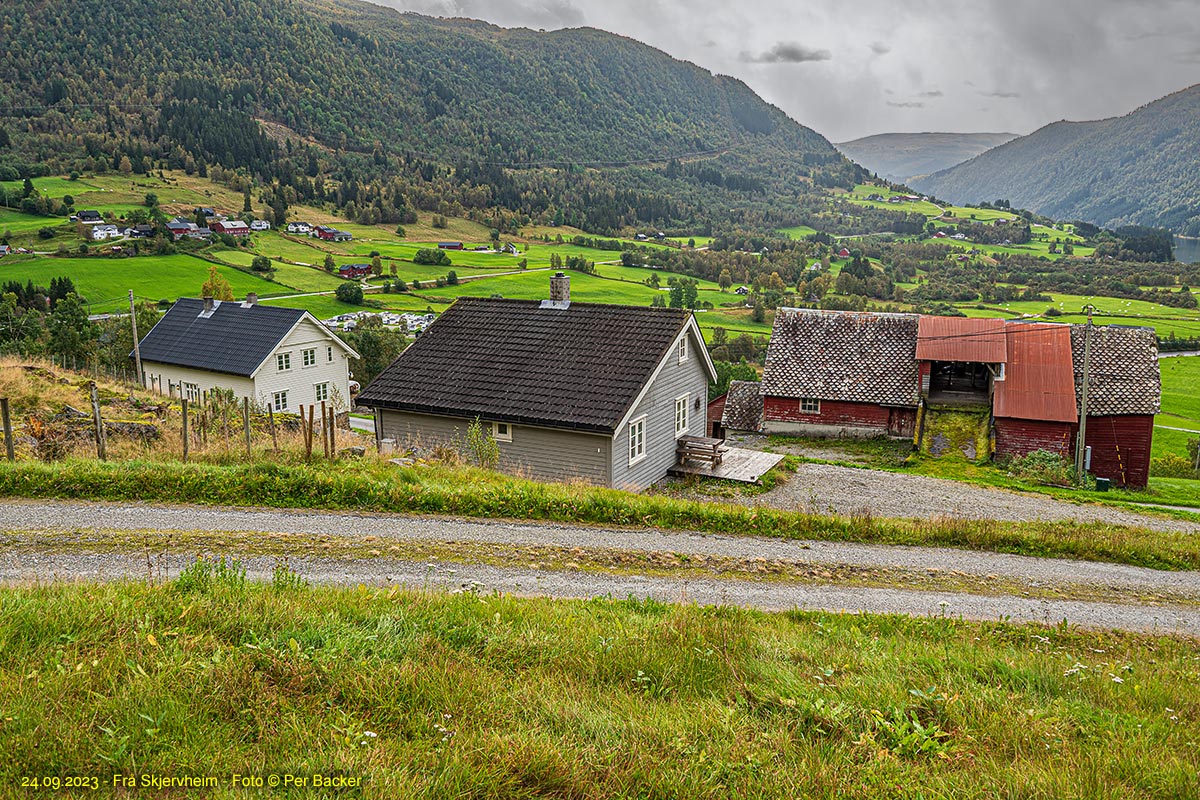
{"type": "Point", "coordinates": [231, 227]}
{"type": "Point", "coordinates": [833, 373]}
{"type": "Point", "coordinates": [866, 374]}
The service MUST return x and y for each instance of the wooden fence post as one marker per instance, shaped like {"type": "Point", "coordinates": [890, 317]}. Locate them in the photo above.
{"type": "Point", "coordinates": [308, 438]}
{"type": "Point", "coordinates": [246, 422]}
{"type": "Point", "coordinates": [324, 430]}
{"type": "Point", "coordinates": [185, 430]}
{"type": "Point", "coordinates": [274, 436]}
{"type": "Point", "coordinates": [99, 422]}
{"type": "Point", "coordinates": [332, 432]}
{"type": "Point", "coordinates": [8, 437]}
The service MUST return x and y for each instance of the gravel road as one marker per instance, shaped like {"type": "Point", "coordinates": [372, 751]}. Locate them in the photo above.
{"type": "Point", "coordinates": [20, 563]}
{"type": "Point", "coordinates": [827, 488]}
{"type": "Point", "coordinates": [559, 584]}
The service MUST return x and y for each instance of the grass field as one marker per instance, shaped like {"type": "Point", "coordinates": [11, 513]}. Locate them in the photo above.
{"type": "Point", "coordinates": [426, 695]}
{"type": "Point", "coordinates": [105, 282]}
{"type": "Point", "coordinates": [797, 232]}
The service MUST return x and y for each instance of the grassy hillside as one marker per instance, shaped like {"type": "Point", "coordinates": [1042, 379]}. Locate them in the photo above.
{"type": "Point", "coordinates": [901, 157]}
{"type": "Point", "coordinates": [416, 694]}
{"type": "Point", "coordinates": [1137, 169]}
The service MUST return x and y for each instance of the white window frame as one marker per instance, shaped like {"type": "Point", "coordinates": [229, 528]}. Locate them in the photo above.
{"type": "Point", "coordinates": [637, 440]}
{"type": "Point", "coordinates": [681, 414]}
{"type": "Point", "coordinates": [321, 391]}
{"type": "Point", "coordinates": [191, 391]}
{"type": "Point", "coordinates": [275, 398]}
{"type": "Point", "coordinates": [308, 357]}
{"type": "Point", "coordinates": [683, 349]}
{"type": "Point", "coordinates": [502, 436]}
{"type": "Point", "coordinates": [330, 353]}
{"type": "Point", "coordinates": [283, 361]}
{"type": "Point", "coordinates": [806, 405]}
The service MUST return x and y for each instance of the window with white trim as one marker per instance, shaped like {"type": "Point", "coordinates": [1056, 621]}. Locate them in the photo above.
{"type": "Point", "coordinates": [191, 391]}
{"type": "Point", "coordinates": [681, 415]}
{"type": "Point", "coordinates": [309, 357]}
{"type": "Point", "coordinates": [637, 440]}
{"type": "Point", "coordinates": [502, 431]}
{"type": "Point", "coordinates": [329, 354]}
{"type": "Point", "coordinates": [279, 401]}
{"type": "Point", "coordinates": [683, 350]}
{"type": "Point", "coordinates": [283, 361]}
{"type": "Point", "coordinates": [810, 405]}
{"type": "Point", "coordinates": [321, 392]}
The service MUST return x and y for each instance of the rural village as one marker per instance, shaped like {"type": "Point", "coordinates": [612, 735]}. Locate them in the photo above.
{"type": "Point", "coordinates": [356, 442]}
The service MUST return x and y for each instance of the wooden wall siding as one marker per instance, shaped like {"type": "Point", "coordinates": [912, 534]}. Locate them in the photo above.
{"type": "Point", "coordinates": [715, 409]}
{"type": "Point", "coordinates": [1121, 448]}
{"type": "Point", "coordinates": [1019, 437]}
{"type": "Point", "coordinates": [658, 406]}
{"type": "Point", "coordinates": [858, 415]}
{"type": "Point", "coordinates": [544, 454]}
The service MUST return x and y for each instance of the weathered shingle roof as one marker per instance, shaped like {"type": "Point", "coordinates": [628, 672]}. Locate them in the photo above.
{"type": "Point", "coordinates": [1124, 373]}
{"type": "Point", "coordinates": [743, 407]}
{"type": "Point", "coordinates": [580, 367]}
{"type": "Point", "coordinates": [836, 355]}
{"type": "Point", "coordinates": [233, 340]}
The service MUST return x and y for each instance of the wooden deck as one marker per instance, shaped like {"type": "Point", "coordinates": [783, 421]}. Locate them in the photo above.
{"type": "Point", "coordinates": [737, 464]}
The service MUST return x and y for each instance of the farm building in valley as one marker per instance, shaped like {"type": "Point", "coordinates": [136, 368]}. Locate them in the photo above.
{"type": "Point", "coordinates": [280, 358]}
{"type": "Point", "coordinates": [568, 391]}
{"type": "Point", "coordinates": [979, 387]}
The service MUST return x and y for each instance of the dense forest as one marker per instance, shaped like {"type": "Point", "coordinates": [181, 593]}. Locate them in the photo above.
{"type": "Point", "coordinates": [1142, 168]}
{"type": "Point", "coordinates": [380, 112]}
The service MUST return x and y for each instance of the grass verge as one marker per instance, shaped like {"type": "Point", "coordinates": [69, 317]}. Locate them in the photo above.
{"type": "Point", "coordinates": [370, 485]}
{"type": "Point", "coordinates": [423, 695]}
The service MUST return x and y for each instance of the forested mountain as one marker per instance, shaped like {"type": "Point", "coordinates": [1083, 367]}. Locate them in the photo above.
{"type": "Point", "coordinates": [902, 157]}
{"type": "Point", "coordinates": [289, 90]}
{"type": "Point", "coordinates": [1142, 168]}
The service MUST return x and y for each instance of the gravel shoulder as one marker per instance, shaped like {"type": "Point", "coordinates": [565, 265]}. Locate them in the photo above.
{"type": "Point", "coordinates": [833, 489]}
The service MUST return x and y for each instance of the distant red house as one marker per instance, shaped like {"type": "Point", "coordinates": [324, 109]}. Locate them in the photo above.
{"type": "Point", "coordinates": [331, 234]}
{"type": "Point", "coordinates": [843, 253]}
{"type": "Point", "coordinates": [231, 227]}
{"type": "Point", "coordinates": [354, 271]}
{"type": "Point", "coordinates": [868, 374]}
{"type": "Point", "coordinates": [450, 245]}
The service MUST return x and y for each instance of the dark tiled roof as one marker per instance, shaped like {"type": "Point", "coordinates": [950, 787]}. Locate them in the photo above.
{"type": "Point", "coordinates": [234, 340]}
{"type": "Point", "coordinates": [855, 357]}
{"type": "Point", "coordinates": [743, 407]}
{"type": "Point", "coordinates": [579, 367]}
{"type": "Point", "coordinates": [1124, 374]}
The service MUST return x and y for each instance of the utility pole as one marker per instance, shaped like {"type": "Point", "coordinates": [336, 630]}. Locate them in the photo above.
{"type": "Point", "coordinates": [137, 350]}
{"type": "Point", "coordinates": [1083, 400]}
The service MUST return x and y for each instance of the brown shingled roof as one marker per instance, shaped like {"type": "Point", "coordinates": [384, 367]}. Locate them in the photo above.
{"type": "Point", "coordinates": [580, 367]}
{"type": "Point", "coordinates": [1124, 373]}
{"type": "Point", "coordinates": [856, 357]}
{"type": "Point", "coordinates": [743, 407]}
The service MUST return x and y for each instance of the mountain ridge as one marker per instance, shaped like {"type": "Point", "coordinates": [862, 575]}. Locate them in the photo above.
{"type": "Point", "coordinates": [902, 157]}
{"type": "Point", "coordinates": [1140, 168]}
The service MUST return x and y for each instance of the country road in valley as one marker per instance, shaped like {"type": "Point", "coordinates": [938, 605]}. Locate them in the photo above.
{"type": "Point", "coordinates": [47, 541]}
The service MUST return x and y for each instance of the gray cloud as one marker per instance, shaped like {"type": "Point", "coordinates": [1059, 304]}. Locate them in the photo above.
{"type": "Point", "coordinates": [787, 53]}
{"type": "Point", "coordinates": [880, 48]}
{"type": "Point", "coordinates": [909, 104]}
{"type": "Point", "coordinates": [932, 93]}
{"type": "Point", "coordinates": [1002, 95]}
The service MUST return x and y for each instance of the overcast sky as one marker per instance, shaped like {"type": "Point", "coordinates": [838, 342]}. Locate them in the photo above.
{"type": "Point", "coordinates": [850, 68]}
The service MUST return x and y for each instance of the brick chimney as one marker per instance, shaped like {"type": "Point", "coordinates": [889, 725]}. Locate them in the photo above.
{"type": "Point", "coordinates": [251, 300]}
{"type": "Point", "coordinates": [560, 288]}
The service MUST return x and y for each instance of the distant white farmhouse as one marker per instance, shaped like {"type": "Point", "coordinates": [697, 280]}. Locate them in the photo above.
{"type": "Point", "coordinates": [280, 358]}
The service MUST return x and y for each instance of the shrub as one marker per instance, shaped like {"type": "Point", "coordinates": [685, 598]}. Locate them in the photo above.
{"type": "Point", "coordinates": [1043, 466]}
{"type": "Point", "coordinates": [480, 448]}
{"type": "Point", "coordinates": [1174, 466]}
{"type": "Point", "coordinates": [1053, 311]}
{"type": "Point", "coordinates": [350, 292]}
{"type": "Point", "coordinates": [431, 256]}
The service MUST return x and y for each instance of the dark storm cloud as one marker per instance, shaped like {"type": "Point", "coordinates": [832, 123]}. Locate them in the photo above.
{"type": "Point", "coordinates": [787, 53]}
{"type": "Point", "coordinates": [1034, 61]}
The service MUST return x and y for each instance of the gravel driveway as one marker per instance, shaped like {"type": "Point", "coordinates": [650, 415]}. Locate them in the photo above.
{"type": "Point", "coordinates": [831, 489]}
{"type": "Point", "coordinates": [24, 563]}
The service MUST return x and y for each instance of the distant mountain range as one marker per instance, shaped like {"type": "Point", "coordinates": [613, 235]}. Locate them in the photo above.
{"type": "Point", "coordinates": [903, 157]}
{"type": "Point", "coordinates": [1142, 168]}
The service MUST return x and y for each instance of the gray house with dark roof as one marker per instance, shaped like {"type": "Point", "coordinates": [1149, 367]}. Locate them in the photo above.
{"type": "Point", "coordinates": [569, 391]}
{"type": "Point", "coordinates": [278, 357]}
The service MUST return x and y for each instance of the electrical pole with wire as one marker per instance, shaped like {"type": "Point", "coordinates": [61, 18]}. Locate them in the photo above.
{"type": "Point", "coordinates": [137, 350]}
{"type": "Point", "coordinates": [1080, 445]}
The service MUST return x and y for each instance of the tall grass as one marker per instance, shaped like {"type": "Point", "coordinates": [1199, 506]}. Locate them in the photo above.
{"type": "Point", "coordinates": [372, 485]}
{"type": "Point", "coordinates": [466, 695]}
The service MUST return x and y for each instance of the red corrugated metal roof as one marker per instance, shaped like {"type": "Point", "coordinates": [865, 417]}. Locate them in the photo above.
{"type": "Point", "coordinates": [961, 339]}
{"type": "Point", "coordinates": [1039, 379]}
